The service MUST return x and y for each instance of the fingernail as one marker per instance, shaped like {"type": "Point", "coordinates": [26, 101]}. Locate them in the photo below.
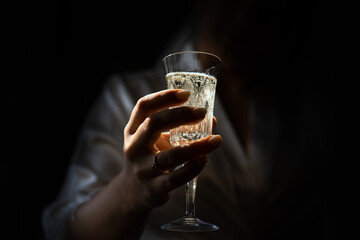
{"type": "Point", "coordinates": [199, 112]}
{"type": "Point", "coordinates": [215, 140]}
{"type": "Point", "coordinates": [182, 95]}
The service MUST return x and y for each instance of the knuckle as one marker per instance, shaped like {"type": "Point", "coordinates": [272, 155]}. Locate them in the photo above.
{"type": "Point", "coordinates": [148, 123]}
{"type": "Point", "coordinates": [141, 103]}
{"type": "Point", "coordinates": [126, 131]}
{"type": "Point", "coordinates": [126, 149]}
{"type": "Point", "coordinates": [152, 192]}
{"type": "Point", "coordinates": [129, 151]}
{"type": "Point", "coordinates": [152, 122]}
{"type": "Point", "coordinates": [138, 172]}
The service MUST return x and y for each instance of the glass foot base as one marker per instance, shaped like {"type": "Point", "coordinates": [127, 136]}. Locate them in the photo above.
{"type": "Point", "coordinates": [189, 224]}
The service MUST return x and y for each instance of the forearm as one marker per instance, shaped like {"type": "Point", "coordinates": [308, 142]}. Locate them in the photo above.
{"type": "Point", "coordinates": [121, 210]}
{"type": "Point", "coordinates": [110, 215]}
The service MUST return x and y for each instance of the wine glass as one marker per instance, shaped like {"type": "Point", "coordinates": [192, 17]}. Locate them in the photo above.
{"type": "Point", "coordinates": [196, 72]}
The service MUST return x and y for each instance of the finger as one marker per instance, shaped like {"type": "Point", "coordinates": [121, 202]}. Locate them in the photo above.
{"type": "Point", "coordinates": [166, 135]}
{"type": "Point", "coordinates": [214, 122]}
{"type": "Point", "coordinates": [183, 175]}
{"type": "Point", "coordinates": [166, 161]}
{"type": "Point", "coordinates": [163, 142]}
{"type": "Point", "coordinates": [176, 156]}
{"type": "Point", "coordinates": [149, 131]}
{"type": "Point", "coordinates": [155, 102]}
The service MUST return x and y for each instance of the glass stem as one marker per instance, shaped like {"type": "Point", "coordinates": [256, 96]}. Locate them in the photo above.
{"type": "Point", "coordinates": [190, 191]}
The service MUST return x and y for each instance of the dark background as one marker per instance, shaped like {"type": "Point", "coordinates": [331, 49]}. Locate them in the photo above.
{"type": "Point", "coordinates": [71, 47]}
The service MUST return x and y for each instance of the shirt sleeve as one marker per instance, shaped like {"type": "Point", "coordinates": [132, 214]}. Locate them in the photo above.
{"type": "Point", "coordinates": [98, 157]}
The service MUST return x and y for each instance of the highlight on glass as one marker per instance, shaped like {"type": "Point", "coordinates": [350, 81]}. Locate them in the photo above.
{"type": "Point", "coordinates": [197, 73]}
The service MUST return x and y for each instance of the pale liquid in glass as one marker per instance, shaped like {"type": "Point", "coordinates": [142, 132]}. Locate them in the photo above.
{"type": "Point", "coordinates": [202, 94]}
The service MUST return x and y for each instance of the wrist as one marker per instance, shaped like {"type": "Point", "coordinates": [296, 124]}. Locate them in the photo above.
{"type": "Point", "coordinates": [129, 197]}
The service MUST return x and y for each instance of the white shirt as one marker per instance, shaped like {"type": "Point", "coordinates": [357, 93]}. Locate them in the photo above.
{"type": "Point", "coordinates": [246, 196]}
{"type": "Point", "coordinates": [99, 158]}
